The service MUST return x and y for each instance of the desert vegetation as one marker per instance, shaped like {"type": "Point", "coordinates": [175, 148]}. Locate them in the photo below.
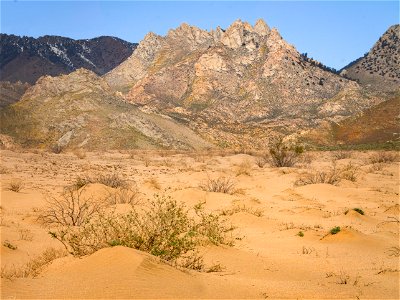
{"type": "Point", "coordinates": [164, 228]}
{"type": "Point", "coordinates": [16, 185]}
{"type": "Point", "coordinates": [331, 176]}
{"type": "Point", "coordinates": [219, 185]}
{"type": "Point", "coordinates": [284, 153]}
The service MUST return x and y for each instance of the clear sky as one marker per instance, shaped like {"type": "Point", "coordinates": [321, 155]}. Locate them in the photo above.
{"type": "Point", "coordinates": [333, 32]}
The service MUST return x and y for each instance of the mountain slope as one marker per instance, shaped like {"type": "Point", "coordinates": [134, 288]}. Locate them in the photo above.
{"type": "Point", "coordinates": [26, 59]}
{"type": "Point", "coordinates": [379, 124]}
{"type": "Point", "coordinates": [379, 68]}
{"type": "Point", "coordinates": [233, 85]}
{"type": "Point", "coordinates": [80, 110]}
{"type": "Point", "coordinates": [11, 92]}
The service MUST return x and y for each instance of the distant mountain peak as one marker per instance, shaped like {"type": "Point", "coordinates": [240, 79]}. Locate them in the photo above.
{"type": "Point", "coordinates": [27, 58]}
{"type": "Point", "coordinates": [379, 68]}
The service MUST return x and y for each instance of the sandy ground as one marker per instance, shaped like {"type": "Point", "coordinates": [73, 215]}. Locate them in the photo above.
{"type": "Point", "coordinates": [269, 258]}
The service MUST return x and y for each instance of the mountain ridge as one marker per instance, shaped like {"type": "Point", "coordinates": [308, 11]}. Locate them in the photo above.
{"type": "Point", "coordinates": [234, 88]}
{"type": "Point", "coordinates": [26, 58]}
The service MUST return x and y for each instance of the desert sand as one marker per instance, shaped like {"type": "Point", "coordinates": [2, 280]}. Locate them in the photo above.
{"type": "Point", "coordinates": [282, 248]}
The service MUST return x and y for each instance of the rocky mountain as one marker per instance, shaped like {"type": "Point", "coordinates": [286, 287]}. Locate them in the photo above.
{"type": "Point", "coordinates": [194, 89]}
{"type": "Point", "coordinates": [380, 67]}
{"type": "Point", "coordinates": [26, 59]}
{"type": "Point", "coordinates": [79, 110]}
{"type": "Point", "coordinates": [233, 85]}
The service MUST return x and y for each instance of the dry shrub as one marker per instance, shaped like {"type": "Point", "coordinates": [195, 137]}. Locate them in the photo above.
{"type": "Point", "coordinates": [25, 234]}
{"type": "Point", "coordinates": [333, 176]}
{"type": "Point", "coordinates": [244, 168]}
{"type": "Point", "coordinates": [193, 260]}
{"type": "Point", "coordinates": [219, 185]}
{"type": "Point", "coordinates": [72, 208]}
{"type": "Point", "coordinates": [284, 154]}
{"type": "Point", "coordinates": [383, 157]}
{"type": "Point", "coordinates": [215, 268]}
{"type": "Point", "coordinates": [111, 180]}
{"type": "Point", "coordinates": [164, 228]}
{"type": "Point", "coordinates": [341, 154]}
{"type": "Point", "coordinates": [146, 161]}
{"type": "Point", "coordinates": [80, 182]}
{"type": "Point", "coordinates": [329, 177]}
{"type": "Point", "coordinates": [123, 196]}
{"type": "Point", "coordinates": [33, 267]}
{"type": "Point", "coordinates": [376, 167]}
{"type": "Point", "coordinates": [306, 158]}
{"type": "Point", "coordinates": [242, 208]}
{"type": "Point", "coordinates": [16, 185]}
{"type": "Point", "coordinates": [349, 172]}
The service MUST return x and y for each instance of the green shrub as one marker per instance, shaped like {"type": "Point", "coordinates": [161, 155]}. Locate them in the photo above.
{"type": "Point", "coordinates": [164, 228]}
{"type": "Point", "coordinates": [9, 245]}
{"type": "Point", "coordinates": [284, 154]}
{"type": "Point", "coordinates": [359, 210]}
{"type": "Point", "coordinates": [335, 230]}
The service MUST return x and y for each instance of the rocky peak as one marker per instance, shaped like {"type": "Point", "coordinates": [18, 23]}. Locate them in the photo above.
{"type": "Point", "coordinates": [242, 34]}
{"type": "Point", "coordinates": [190, 36]}
{"type": "Point", "coordinates": [217, 34]}
{"type": "Point", "coordinates": [261, 27]}
{"type": "Point", "coordinates": [235, 36]}
{"type": "Point", "coordinates": [148, 46]}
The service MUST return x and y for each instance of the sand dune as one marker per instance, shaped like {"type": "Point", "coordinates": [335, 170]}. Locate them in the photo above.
{"type": "Point", "coordinates": [121, 272]}
{"type": "Point", "coordinates": [282, 248]}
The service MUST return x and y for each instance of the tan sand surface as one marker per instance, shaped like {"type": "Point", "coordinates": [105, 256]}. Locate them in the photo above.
{"type": "Point", "coordinates": [269, 258]}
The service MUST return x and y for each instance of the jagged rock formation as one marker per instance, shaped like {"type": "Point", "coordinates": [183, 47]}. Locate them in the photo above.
{"type": "Point", "coordinates": [236, 84]}
{"type": "Point", "coordinates": [26, 59]}
{"type": "Point", "coordinates": [380, 67]}
{"type": "Point", "coordinates": [80, 110]}
{"type": "Point", "coordinates": [11, 92]}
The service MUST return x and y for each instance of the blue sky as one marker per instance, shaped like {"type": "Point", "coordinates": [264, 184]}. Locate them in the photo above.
{"type": "Point", "coordinates": [333, 32]}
